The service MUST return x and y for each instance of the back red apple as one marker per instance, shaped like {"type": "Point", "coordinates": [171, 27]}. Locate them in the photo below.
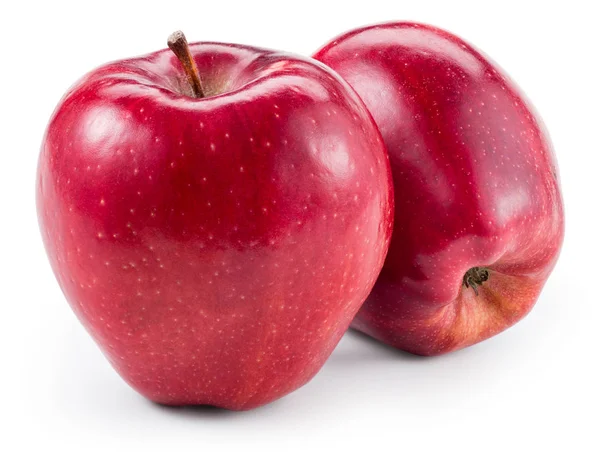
{"type": "Point", "coordinates": [479, 217]}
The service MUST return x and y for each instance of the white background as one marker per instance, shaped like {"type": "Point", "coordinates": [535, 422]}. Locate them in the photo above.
{"type": "Point", "coordinates": [526, 396]}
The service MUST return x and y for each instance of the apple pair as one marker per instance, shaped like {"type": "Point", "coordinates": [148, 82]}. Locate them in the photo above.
{"type": "Point", "coordinates": [217, 214]}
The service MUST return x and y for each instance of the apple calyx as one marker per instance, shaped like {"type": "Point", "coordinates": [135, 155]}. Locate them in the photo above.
{"type": "Point", "coordinates": [475, 277]}
{"type": "Point", "coordinates": [179, 45]}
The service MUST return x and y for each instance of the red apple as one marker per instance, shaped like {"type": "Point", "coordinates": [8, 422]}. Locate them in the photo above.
{"type": "Point", "coordinates": [215, 236]}
{"type": "Point", "coordinates": [479, 215]}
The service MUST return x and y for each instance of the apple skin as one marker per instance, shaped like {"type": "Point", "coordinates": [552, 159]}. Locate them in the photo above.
{"type": "Point", "coordinates": [475, 185]}
{"type": "Point", "coordinates": [216, 249]}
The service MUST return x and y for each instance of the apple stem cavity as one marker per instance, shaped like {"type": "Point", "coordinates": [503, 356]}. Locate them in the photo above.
{"type": "Point", "coordinates": [179, 45]}
{"type": "Point", "coordinates": [475, 277]}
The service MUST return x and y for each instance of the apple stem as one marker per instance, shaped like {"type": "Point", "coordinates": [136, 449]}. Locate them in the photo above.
{"type": "Point", "coordinates": [475, 277]}
{"type": "Point", "coordinates": [179, 45]}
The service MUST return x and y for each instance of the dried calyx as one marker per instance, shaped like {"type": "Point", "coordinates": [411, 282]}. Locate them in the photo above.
{"type": "Point", "coordinates": [475, 277]}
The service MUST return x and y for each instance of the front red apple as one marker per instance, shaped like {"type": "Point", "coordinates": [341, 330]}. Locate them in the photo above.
{"type": "Point", "coordinates": [216, 248]}
{"type": "Point", "coordinates": [479, 216]}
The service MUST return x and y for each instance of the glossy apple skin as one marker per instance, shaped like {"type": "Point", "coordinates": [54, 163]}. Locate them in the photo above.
{"type": "Point", "coordinates": [216, 249]}
{"type": "Point", "coordinates": [475, 182]}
